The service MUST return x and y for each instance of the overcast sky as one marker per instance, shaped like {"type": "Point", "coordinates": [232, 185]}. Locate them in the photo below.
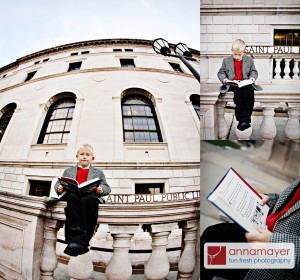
{"type": "Point", "coordinates": [27, 26]}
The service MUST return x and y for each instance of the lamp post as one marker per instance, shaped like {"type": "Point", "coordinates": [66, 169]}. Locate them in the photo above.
{"type": "Point", "coordinates": [181, 50]}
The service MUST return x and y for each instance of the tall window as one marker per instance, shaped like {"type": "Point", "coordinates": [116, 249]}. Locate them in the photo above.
{"type": "Point", "coordinates": [5, 118]}
{"type": "Point", "coordinates": [139, 120]}
{"type": "Point", "coordinates": [195, 99]}
{"type": "Point", "coordinates": [58, 121]}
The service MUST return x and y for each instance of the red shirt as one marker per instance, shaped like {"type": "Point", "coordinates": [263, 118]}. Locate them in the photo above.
{"type": "Point", "coordinates": [238, 69]}
{"type": "Point", "coordinates": [274, 217]}
{"type": "Point", "coordinates": [82, 174]}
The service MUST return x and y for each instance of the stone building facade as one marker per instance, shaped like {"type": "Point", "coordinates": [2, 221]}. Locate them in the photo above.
{"type": "Point", "coordinates": [138, 109]}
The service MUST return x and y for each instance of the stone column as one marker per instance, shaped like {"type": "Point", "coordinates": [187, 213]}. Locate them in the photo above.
{"type": "Point", "coordinates": [222, 124]}
{"type": "Point", "coordinates": [277, 69]}
{"type": "Point", "coordinates": [268, 128]}
{"type": "Point", "coordinates": [287, 69]}
{"type": "Point", "coordinates": [244, 135]}
{"type": "Point", "coordinates": [158, 266]}
{"type": "Point", "coordinates": [296, 69]}
{"type": "Point", "coordinates": [119, 267]}
{"type": "Point", "coordinates": [187, 260]}
{"type": "Point", "coordinates": [49, 258]}
{"type": "Point", "coordinates": [292, 128]}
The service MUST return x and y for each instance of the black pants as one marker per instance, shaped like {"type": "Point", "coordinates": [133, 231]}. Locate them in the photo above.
{"type": "Point", "coordinates": [81, 217]}
{"type": "Point", "coordinates": [244, 102]}
{"type": "Point", "coordinates": [222, 233]}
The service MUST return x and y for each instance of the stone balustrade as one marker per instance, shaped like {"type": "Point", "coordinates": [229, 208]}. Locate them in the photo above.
{"type": "Point", "coordinates": [214, 125]}
{"type": "Point", "coordinates": [28, 234]}
{"type": "Point", "coordinates": [286, 67]}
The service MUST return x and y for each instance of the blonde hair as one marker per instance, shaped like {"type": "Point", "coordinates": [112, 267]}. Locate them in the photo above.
{"type": "Point", "coordinates": [238, 45]}
{"type": "Point", "coordinates": [85, 146]}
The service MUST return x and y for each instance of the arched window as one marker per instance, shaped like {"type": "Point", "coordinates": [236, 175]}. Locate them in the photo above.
{"type": "Point", "coordinates": [139, 120]}
{"type": "Point", "coordinates": [195, 99]}
{"type": "Point", "coordinates": [56, 128]}
{"type": "Point", "coordinates": [8, 112]}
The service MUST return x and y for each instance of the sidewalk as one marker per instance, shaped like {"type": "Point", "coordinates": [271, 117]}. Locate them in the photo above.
{"type": "Point", "coordinates": [215, 161]}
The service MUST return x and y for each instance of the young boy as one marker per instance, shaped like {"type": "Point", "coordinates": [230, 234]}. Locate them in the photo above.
{"type": "Point", "coordinates": [82, 210]}
{"type": "Point", "coordinates": [240, 67]}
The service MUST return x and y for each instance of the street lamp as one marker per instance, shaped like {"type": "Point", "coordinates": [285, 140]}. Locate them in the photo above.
{"type": "Point", "coordinates": [181, 50]}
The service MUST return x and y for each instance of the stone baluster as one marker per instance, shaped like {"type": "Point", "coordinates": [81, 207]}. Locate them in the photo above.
{"type": "Point", "coordinates": [222, 124]}
{"type": "Point", "coordinates": [292, 128]}
{"type": "Point", "coordinates": [158, 265]}
{"type": "Point", "coordinates": [268, 128]}
{"type": "Point", "coordinates": [49, 258]}
{"type": "Point", "coordinates": [187, 260]}
{"type": "Point", "coordinates": [119, 267]}
{"type": "Point", "coordinates": [287, 69]}
{"type": "Point", "coordinates": [296, 69]}
{"type": "Point", "coordinates": [277, 68]}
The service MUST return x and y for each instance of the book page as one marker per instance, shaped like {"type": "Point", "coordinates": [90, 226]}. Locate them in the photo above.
{"type": "Point", "coordinates": [242, 199]}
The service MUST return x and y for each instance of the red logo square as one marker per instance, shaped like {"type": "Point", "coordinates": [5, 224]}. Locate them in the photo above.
{"type": "Point", "coordinates": [216, 255]}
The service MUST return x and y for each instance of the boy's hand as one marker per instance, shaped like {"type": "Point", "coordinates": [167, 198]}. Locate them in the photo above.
{"type": "Point", "coordinates": [60, 189]}
{"type": "Point", "coordinates": [99, 190]}
{"type": "Point", "coordinates": [253, 79]}
{"type": "Point", "coordinates": [265, 199]}
{"type": "Point", "coordinates": [225, 80]}
{"type": "Point", "coordinates": [263, 235]}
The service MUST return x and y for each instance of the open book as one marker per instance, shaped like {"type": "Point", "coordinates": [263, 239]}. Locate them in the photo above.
{"type": "Point", "coordinates": [239, 84]}
{"type": "Point", "coordinates": [72, 185]}
{"type": "Point", "coordinates": [239, 201]}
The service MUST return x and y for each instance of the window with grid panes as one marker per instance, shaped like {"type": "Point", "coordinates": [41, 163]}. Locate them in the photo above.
{"type": "Point", "coordinates": [58, 121]}
{"type": "Point", "coordinates": [39, 188]}
{"type": "Point", "coordinates": [287, 37]}
{"type": "Point", "coordinates": [139, 120]}
{"type": "Point", "coordinates": [154, 188]}
{"type": "Point", "coordinates": [195, 99]}
{"type": "Point", "coordinates": [5, 118]}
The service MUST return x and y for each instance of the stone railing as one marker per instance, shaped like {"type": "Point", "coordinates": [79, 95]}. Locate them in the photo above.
{"type": "Point", "coordinates": [286, 67]}
{"type": "Point", "coordinates": [214, 125]}
{"type": "Point", "coordinates": [28, 235]}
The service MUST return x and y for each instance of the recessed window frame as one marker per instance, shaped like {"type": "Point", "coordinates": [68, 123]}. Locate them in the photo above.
{"type": "Point", "coordinates": [30, 76]}
{"type": "Point", "coordinates": [294, 35]}
{"type": "Point", "coordinates": [127, 62]}
{"type": "Point", "coordinates": [149, 188]}
{"type": "Point", "coordinates": [74, 66]}
{"type": "Point", "coordinates": [196, 103]}
{"type": "Point", "coordinates": [139, 120]}
{"type": "Point", "coordinates": [176, 67]}
{"type": "Point", "coordinates": [6, 118]}
{"type": "Point", "coordinates": [39, 188]}
{"type": "Point", "coordinates": [53, 117]}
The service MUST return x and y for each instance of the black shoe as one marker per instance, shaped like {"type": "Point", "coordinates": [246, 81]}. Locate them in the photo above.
{"type": "Point", "coordinates": [75, 249]}
{"type": "Point", "coordinates": [243, 125]}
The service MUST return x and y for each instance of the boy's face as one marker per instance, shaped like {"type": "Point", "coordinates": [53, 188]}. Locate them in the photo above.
{"type": "Point", "coordinates": [85, 157]}
{"type": "Point", "coordinates": [237, 55]}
